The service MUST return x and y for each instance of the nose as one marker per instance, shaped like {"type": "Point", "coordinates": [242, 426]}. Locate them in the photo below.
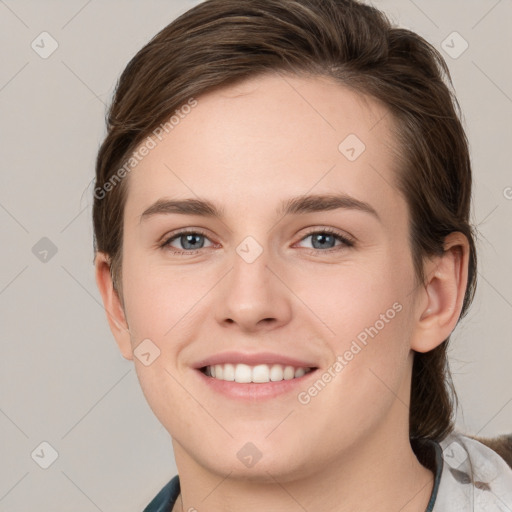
{"type": "Point", "coordinates": [254, 297]}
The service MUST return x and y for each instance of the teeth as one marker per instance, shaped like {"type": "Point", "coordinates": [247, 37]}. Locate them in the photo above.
{"type": "Point", "coordinates": [229, 372]}
{"type": "Point", "coordinates": [276, 372]}
{"type": "Point", "coordinates": [299, 372]}
{"type": "Point", "coordinates": [289, 372]}
{"type": "Point", "coordinates": [260, 373]}
{"type": "Point", "coordinates": [242, 373]}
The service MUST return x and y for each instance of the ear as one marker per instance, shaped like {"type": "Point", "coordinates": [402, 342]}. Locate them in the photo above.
{"type": "Point", "coordinates": [112, 304]}
{"type": "Point", "coordinates": [441, 297]}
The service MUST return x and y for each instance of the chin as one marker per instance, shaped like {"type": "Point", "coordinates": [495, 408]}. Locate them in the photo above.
{"type": "Point", "coordinates": [259, 460]}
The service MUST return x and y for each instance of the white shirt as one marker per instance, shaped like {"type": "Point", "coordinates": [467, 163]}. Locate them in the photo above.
{"type": "Point", "coordinates": [473, 478]}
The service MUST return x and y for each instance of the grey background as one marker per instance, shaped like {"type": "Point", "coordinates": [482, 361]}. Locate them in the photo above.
{"type": "Point", "coordinates": [62, 379]}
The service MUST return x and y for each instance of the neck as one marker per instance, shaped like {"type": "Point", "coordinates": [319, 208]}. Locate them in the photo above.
{"type": "Point", "coordinates": [380, 474]}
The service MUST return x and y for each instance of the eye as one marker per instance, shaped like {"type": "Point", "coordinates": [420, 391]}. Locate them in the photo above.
{"type": "Point", "coordinates": [325, 240]}
{"type": "Point", "coordinates": [188, 240]}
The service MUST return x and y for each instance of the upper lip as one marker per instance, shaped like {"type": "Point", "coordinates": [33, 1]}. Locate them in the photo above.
{"type": "Point", "coordinates": [253, 359]}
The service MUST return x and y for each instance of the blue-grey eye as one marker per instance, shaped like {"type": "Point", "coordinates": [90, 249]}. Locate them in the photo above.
{"type": "Point", "coordinates": [322, 240]}
{"type": "Point", "coordinates": [325, 239]}
{"type": "Point", "coordinates": [188, 241]}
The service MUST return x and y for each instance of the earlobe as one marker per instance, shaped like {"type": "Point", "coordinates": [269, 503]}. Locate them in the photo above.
{"type": "Point", "coordinates": [443, 294]}
{"type": "Point", "coordinates": [112, 304]}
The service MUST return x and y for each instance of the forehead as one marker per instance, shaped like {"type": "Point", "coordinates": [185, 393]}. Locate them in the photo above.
{"type": "Point", "coordinates": [269, 137]}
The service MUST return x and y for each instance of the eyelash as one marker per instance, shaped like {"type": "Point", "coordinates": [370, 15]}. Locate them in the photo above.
{"type": "Point", "coordinates": [347, 242]}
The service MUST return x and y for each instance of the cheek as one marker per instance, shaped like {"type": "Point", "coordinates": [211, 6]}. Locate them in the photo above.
{"type": "Point", "coordinates": [352, 297]}
{"type": "Point", "coordinates": [366, 308]}
{"type": "Point", "coordinates": [158, 297]}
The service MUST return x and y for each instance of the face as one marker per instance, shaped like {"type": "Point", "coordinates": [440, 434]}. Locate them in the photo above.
{"type": "Point", "coordinates": [307, 302]}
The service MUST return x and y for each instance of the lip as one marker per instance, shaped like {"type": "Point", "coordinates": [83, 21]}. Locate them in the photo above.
{"type": "Point", "coordinates": [253, 359]}
{"type": "Point", "coordinates": [253, 391]}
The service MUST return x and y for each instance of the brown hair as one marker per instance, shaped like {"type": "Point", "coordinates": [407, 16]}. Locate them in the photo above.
{"type": "Point", "coordinates": [220, 42]}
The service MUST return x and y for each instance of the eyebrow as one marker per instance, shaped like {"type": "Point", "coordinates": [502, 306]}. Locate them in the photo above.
{"type": "Point", "coordinates": [293, 206]}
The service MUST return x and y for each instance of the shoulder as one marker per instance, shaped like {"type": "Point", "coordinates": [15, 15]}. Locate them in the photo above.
{"type": "Point", "coordinates": [165, 499]}
{"type": "Point", "coordinates": [474, 477]}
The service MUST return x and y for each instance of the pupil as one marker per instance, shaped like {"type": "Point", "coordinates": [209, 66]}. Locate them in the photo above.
{"type": "Point", "coordinates": [189, 239]}
{"type": "Point", "coordinates": [322, 238]}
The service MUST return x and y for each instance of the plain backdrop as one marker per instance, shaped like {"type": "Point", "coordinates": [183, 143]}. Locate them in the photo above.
{"type": "Point", "coordinates": [62, 379]}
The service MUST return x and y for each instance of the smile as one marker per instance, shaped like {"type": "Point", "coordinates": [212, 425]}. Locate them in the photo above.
{"type": "Point", "coordinates": [261, 373]}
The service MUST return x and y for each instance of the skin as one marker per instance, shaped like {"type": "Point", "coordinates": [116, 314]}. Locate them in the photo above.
{"type": "Point", "coordinates": [247, 148]}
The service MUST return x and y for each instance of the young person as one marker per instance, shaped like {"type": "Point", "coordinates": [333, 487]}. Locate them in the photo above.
{"type": "Point", "coordinates": [283, 248]}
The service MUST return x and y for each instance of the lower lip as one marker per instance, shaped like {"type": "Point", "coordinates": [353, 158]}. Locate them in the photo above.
{"type": "Point", "coordinates": [253, 390]}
